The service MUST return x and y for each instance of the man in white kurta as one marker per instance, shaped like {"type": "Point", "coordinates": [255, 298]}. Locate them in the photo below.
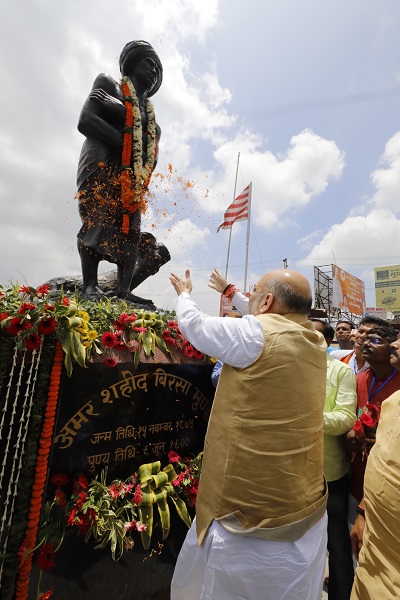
{"type": "Point", "coordinates": [260, 527]}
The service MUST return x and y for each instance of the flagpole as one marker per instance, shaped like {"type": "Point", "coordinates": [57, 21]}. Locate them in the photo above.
{"type": "Point", "coordinates": [247, 240]}
{"type": "Point", "coordinates": [230, 229]}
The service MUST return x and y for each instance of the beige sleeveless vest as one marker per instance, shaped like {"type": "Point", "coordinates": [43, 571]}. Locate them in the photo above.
{"type": "Point", "coordinates": [263, 453]}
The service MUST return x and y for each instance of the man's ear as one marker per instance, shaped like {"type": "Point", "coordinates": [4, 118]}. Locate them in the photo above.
{"type": "Point", "coordinates": [269, 298]}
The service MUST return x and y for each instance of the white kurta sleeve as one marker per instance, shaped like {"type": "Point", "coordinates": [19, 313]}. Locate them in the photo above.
{"type": "Point", "coordinates": [241, 302]}
{"type": "Point", "coordinates": [237, 342]}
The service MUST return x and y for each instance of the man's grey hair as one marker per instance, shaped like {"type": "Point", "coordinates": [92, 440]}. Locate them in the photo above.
{"type": "Point", "coordinates": [289, 298]}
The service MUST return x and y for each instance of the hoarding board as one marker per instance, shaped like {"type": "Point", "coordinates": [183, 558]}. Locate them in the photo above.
{"type": "Point", "coordinates": [348, 292]}
{"type": "Point", "coordinates": [387, 287]}
{"type": "Point", "coordinates": [371, 311]}
{"type": "Point", "coordinates": [227, 308]}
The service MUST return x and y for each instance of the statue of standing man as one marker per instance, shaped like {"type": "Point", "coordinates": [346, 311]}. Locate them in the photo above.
{"type": "Point", "coordinates": [116, 163]}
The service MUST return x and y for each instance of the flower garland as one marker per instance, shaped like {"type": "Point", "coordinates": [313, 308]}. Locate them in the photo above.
{"type": "Point", "coordinates": [135, 176]}
{"type": "Point", "coordinates": [113, 514]}
{"type": "Point", "coordinates": [39, 483]}
{"type": "Point", "coordinates": [85, 328]}
{"type": "Point", "coordinates": [33, 424]}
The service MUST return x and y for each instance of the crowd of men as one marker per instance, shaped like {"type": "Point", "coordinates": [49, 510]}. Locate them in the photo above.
{"type": "Point", "coordinates": [293, 435]}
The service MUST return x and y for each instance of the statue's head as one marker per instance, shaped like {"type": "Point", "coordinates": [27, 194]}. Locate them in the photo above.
{"type": "Point", "coordinates": [132, 53]}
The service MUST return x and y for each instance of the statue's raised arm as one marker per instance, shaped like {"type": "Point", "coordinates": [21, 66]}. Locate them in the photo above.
{"type": "Point", "coordinates": [116, 163]}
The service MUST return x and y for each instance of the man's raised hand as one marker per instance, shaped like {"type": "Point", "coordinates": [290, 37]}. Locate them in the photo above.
{"type": "Point", "coordinates": [217, 281]}
{"type": "Point", "coordinates": [181, 285]}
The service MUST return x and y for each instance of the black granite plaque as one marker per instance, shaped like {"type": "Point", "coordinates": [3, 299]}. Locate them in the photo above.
{"type": "Point", "coordinates": [121, 418]}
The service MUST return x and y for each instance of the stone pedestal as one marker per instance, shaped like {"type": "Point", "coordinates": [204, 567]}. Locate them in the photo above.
{"type": "Point", "coordinates": [118, 419]}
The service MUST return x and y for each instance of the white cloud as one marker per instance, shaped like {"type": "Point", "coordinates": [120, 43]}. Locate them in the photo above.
{"type": "Point", "coordinates": [373, 236]}
{"type": "Point", "coordinates": [183, 19]}
{"type": "Point", "coordinates": [387, 178]}
{"type": "Point", "coordinates": [281, 183]}
{"type": "Point", "coordinates": [359, 238]}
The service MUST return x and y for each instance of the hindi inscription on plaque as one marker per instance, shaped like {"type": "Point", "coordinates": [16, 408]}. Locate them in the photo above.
{"type": "Point", "coordinates": [121, 418]}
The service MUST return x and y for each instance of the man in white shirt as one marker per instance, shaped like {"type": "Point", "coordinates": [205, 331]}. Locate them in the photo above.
{"type": "Point", "coordinates": [260, 527]}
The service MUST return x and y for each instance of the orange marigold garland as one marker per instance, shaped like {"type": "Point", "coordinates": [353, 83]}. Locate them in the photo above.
{"type": "Point", "coordinates": [45, 441]}
{"type": "Point", "coordinates": [135, 176]}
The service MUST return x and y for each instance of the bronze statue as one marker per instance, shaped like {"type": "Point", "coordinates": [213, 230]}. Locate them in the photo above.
{"type": "Point", "coordinates": [115, 167]}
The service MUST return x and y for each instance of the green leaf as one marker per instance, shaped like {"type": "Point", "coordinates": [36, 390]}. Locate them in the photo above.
{"type": "Point", "coordinates": [181, 509]}
{"type": "Point", "coordinates": [78, 351]}
{"type": "Point", "coordinates": [136, 357]}
{"type": "Point", "coordinates": [147, 342]}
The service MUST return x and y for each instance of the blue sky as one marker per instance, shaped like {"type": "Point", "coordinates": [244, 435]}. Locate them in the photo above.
{"type": "Point", "coordinates": [307, 92]}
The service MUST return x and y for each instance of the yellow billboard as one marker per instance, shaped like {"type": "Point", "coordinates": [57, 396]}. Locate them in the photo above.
{"type": "Point", "coordinates": [387, 287]}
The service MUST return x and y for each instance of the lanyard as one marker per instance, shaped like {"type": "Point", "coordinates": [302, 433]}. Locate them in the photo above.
{"type": "Point", "coordinates": [371, 394]}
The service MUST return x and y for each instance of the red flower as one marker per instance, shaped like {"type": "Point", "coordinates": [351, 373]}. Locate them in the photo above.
{"type": "Point", "coordinates": [189, 351]}
{"type": "Point", "coordinates": [42, 290]}
{"type": "Point", "coordinates": [25, 307]}
{"type": "Point", "coordinates": [124, 319]}
{"type": "Point", "coordinates": [166, 336]}
{"type": "Point", "coordinates": [120, 346]}
{"type": "Point", "coordinates": [137, 496]}
{"type": "Point", "coordinates": [367, 420]}
{"type": "Point", "coordinates": [133, 345]}
{"type": "Point", "coordinates": [60, 498]}
{"type": "Point", "coordinates": [3, 316]}
{"type": "Point", "coordinates": [15, 326]}
{"type": "Point", "coordinates": [359, 429]}
{"type": "Point", "coordinates": [374, 410]}
{"type": "Point", "coordinates": [110, 362]}
{"type": "Point", "coordinates": [191, 494]}
{"type": "Point", "coordinates": [66, 301]}
{"type": "Point", "coordinates": [172, 325]}
{"type": "Point", "coordinates": [71, 518]}
{"type": "Point", "coordinates": [47, 326]}
{"type": "Point", "coordinates": [139, 328]}
{"type": "Point", "coordinates": [59, 480]}
{"type": "Point", "coordinates": [109, 339]}
{"type": "Point", "coordinates": [114, 491]}
{"type": "Point", "coordinates": [197, 354]}
{"type": "Point", "coordinates": [358, 426]}
{"type": "Point", "coordinates": [179, 479]}
{"type": "Point", "coordinates": [49, 307]}
{"type": "Point", "coordinates": [82, 496]}
{"type": "Point", "coordinates": [24, 289]}
{"type": "Point", "coordinates": [173, 457]}
{"type": "Point", "coordinates": [45, 557]}
{"type": "Point", "coordinates": [33, 342]}
{"type": "Point", "coordinates": [46, 595]}
{"type": "Point", "coordinates": [79, 484]}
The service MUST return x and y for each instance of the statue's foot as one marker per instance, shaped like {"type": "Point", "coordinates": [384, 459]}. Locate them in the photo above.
{"type": "Point", "coordinates": [143, 302]}
{"type": "Point", "coordinates": [92, 292]}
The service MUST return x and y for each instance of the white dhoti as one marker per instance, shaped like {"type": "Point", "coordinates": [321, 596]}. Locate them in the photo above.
{"type": "Point", "coordinates": [238, 567]}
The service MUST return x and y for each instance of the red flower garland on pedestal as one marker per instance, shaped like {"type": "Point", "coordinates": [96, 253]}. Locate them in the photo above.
{"type": "Point", "coordinates": [28, 545]}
